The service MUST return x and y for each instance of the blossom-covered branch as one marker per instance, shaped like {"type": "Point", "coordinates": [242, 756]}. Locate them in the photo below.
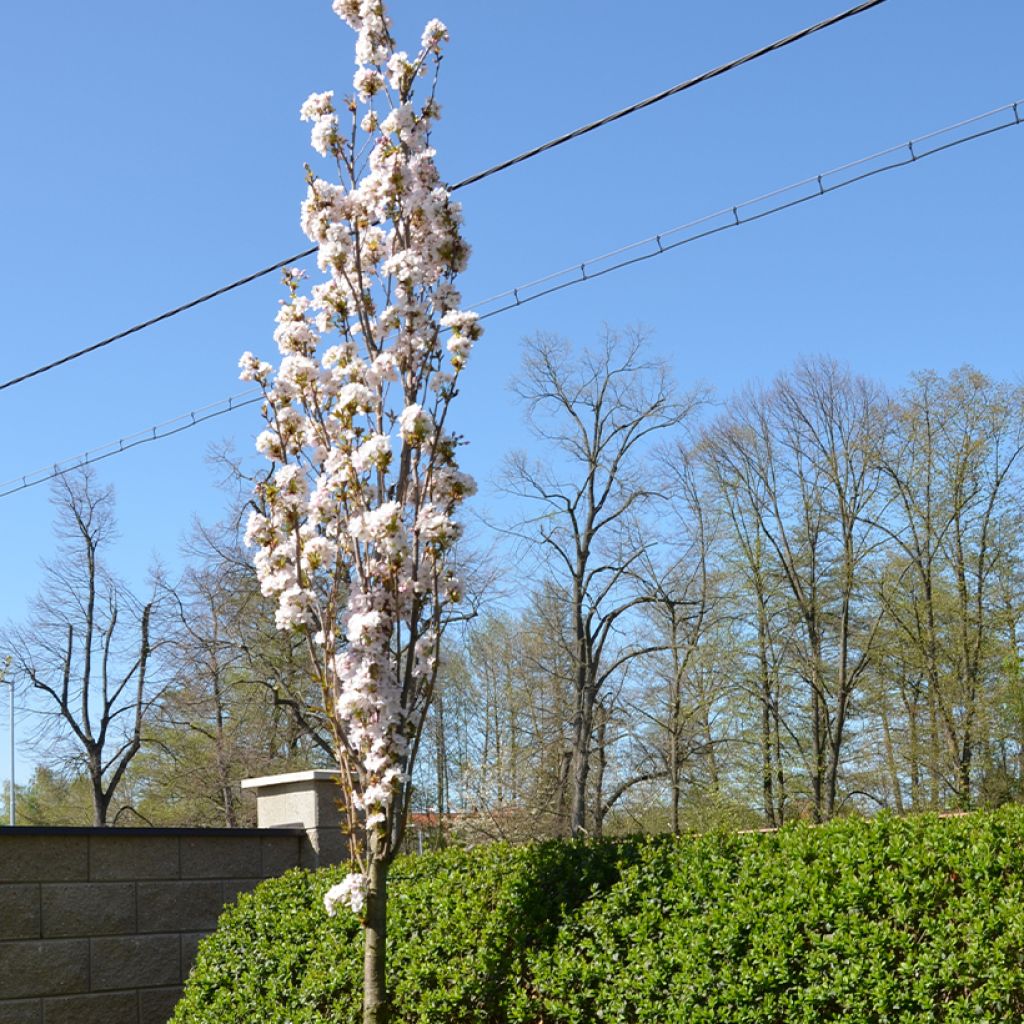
{"type": "Point", "coordinates": [356, 543]}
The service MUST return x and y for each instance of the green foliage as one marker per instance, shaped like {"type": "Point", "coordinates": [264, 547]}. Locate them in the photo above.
{"type": "Point", "coordinates": [462, 925]}
{"type": "Point", "coordinates": [52, 797]}
{"type": "Point", "coordinates": [886, 920]}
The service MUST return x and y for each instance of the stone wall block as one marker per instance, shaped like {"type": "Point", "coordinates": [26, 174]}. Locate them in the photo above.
{"type": "Point", "coordinates": [189, 946]}
{"type": "Point", "coordinates": [233, 887]}
{"type": "Point", "coordinates": [88, 908]}
{"type": "Point", "coordinates": [51, 967]}
{"type": "Point", "coordinates": [137, 961]}
{"type": "Point", "coordinates": [310, 855]}
{"type": "Point", "coordinates": [221, 856]}
{"type": "Point", "coordinates": [19, 913]}
{"type": "Point", "coordinates": [279, 853]}
{"type": "Point", "coordinates": [157, 1004]}
{"type": "Point", "coordinates": [102, 1008]}
{"type": "Point", "coordinates": [130, 854]}
{"type": "Point", "coordinates": [103, 924]}
{"type": "Point", "coordinates": [179, 906]}
{"type": "Point", "coordinates": [21, 1011]}
{"type": "Point", "coordinates": [330, 845]}
{"type": "Point", "coordinates": [43, 858]}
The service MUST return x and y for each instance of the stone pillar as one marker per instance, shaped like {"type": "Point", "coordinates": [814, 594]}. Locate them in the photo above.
{"type": "Point", "coordinates": [307, 800]}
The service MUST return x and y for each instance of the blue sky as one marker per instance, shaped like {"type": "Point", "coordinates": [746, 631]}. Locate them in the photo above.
{"type": "Point", "coordinates": [153, 152]}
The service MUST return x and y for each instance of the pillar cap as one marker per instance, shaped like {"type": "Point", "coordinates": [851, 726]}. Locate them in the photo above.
{"type": "Point", "coordinates": [291, 778]}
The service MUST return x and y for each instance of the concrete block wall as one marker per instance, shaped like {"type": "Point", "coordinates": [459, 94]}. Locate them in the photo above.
{"type": "Point", "coordinates": [102, 925]}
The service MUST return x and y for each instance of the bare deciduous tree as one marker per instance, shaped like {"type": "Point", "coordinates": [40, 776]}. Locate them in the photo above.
{"type": "Point", "coordinates": [88, 646]}
{"type": "Point", "coordinates": [597, 412]}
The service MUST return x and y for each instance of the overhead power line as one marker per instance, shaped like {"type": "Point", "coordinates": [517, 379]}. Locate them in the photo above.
{"type": "Point", "coordinates": [72, 356]}
{"type": "Point", "coordinates": [123, 444]}
{"type": "Point", "coordinates": [814, 187]}
{"type": "Point", "coordinates": [472, 179]}
{"type": "Point", "coordinates": [674, 90]}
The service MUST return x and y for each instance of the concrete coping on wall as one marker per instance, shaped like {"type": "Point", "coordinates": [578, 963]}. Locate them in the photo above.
{"type": "Point", "coordinates": [314, 775]}
{"type": "Point", "coordinates": [307, 800]}
{"type": "Point", "coordinates": [145, 831]}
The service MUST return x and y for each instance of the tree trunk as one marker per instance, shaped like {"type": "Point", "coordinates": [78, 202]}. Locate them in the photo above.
{"type": "Point", "coordinates": [581, 763]}
{"type": "Point", "coordinates": [562, 802]}
{"type": "Point", "coordinates": [673, 769]}
{"type": "Point", "coordinates": [935, 757]}
{"type": "Point", "coordinates": [441, 750]}
{"type": "Point", "coordinates": [768, 797]}
{"type": "Point", "coordinates": [890, 758]}
{"type": "Point", "coordinates": [780, 771]}
{"type": "Point", "coordinates": [817, 749]}
{"type": "Point", "coordinates": [375, 1001]}
{"type": "Point", "coordinates": [710, 757]}
{"type": "Point", "coordinates": [99, 806]}
{"type": "Point", "coordinates": [963, 771]}
{"type": "Point", "coordinates": [602, 762]}
{"type": "Point", "coordinates": [675, 728]}
{"type": "Point", "coordinates": [914, 741]}
{"type": "Point", "coordinates": [100, 800]}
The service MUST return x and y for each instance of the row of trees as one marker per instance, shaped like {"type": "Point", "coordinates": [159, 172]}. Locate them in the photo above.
{"type": "Point", "coordinates": [802, 602]}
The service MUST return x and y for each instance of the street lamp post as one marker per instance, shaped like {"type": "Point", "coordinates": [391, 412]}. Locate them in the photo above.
{"type": "Point", "coordinates": [10, 683]}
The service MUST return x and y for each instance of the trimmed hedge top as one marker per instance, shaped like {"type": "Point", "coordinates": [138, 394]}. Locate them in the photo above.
{"type": "Point", "coordinates": [889, 920]}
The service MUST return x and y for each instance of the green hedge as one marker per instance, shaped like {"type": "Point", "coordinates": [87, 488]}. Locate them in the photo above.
{"type": "Point", "coordinates": [886, 920]}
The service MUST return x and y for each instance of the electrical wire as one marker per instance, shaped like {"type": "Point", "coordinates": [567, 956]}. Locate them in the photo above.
{"type": "Point", "coordinates": [814, 187]}
{"type": "Point", "coordinates": [472, 179]}
{"type": "Point", "coordinates": [786, 198]}
{"type": "Point", "coordinates": [156, 433]}
{"type": "Point", "coordinates": [673, 91]}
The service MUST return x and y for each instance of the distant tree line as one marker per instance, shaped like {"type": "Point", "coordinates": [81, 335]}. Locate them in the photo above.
{"type": "Point", "coordinates": [816, 594]}
{"type": "Point", "coordinates": [803, 602]}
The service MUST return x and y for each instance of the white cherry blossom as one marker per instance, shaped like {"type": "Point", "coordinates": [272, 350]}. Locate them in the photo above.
{"type": "Point", "coordinates": [357, 527]}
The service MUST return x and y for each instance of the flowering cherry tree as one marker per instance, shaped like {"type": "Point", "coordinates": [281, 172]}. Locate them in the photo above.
{"type": "Point", "coordinates": [356, 543]}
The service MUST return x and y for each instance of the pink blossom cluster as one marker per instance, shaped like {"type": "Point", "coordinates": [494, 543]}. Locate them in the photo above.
{"type": "Point", "coordinates": [356, 538]}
